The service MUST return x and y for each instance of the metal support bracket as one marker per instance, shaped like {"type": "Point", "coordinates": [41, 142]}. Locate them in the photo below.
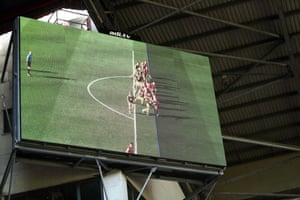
{"type": "Point", "coordinates": [146, 182]}
{"type": "Point", "coordinates": [102, 178]}
{"type": "Point", "coordinates": [209, 186]}
{"type": "Point", "coordinates": [8, 170]}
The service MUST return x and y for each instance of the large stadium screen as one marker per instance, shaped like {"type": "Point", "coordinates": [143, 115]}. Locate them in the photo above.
{"type": "Point", "coordinates": [92, 90]}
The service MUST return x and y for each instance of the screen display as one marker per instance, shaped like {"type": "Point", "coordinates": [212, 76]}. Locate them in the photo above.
{"type": "Point", "coordinates": [93, 90]}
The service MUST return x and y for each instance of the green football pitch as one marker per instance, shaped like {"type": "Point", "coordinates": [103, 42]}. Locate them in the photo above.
{"type": "Point", "coordinates": [76, 95]}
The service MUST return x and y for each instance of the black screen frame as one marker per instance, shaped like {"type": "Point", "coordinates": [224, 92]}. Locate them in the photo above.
{"type": "Point", "coordinates": [50, 151]}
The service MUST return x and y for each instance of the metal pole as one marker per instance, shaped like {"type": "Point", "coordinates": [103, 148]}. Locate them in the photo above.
{"type": "Point", "coordinates": [11, 175]}
{"type": "Point", "coordinates": [91, 4]}
{"type": "Point", "coordinates": [8, 169]}
{"type": "Point", "coordinates": [102, 178]}
{"type": "Point", "coordinates": [262, 143]}
{"type": "Point", "coordinates": [210, 190]}
{"type": "Point", "coordinates": [78, 193]}
{"type": "Point", "coordinates": [146, 182]}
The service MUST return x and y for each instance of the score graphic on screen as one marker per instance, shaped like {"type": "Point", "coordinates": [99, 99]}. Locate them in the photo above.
{"type": "Point", "coordinates": [93, 90]}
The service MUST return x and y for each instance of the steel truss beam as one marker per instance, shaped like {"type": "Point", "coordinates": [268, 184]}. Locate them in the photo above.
{"type": "Point", "coordinates": [217, 55]}
{"type": "Point", "coordinates": [262, 143]}
{"type": "Point", "coordinates": [208, 186]}
{"type": "Point", "coordinates": [242, 68]}
{"type": "Point", "coordinates": [256, 44]}
{"type": "Point", "coordinates": [239, 78]}
{"type": "Point", "coordinates": [198, 36]}
{"type": "Point", "coordinates": [268, 131]}
{"type": "Point", "coordinates": [261, 117]}
{"type": "Point", "coordinates": [258, 101]}
{"type": "Point", "coordinates": [96, 11]}
{"type": "Point", "coordinates": [153, 169]}
{"type": "Point", "coordinates": [246, 149]}
{"type": "Point", "coordinates": [254, 87]}
{"type": "Point", "coordinates": [182, 10]}
{"type": "Point", "coordinates": [8, 170]}
{"type": "Point", "coordinates": [176, 11]}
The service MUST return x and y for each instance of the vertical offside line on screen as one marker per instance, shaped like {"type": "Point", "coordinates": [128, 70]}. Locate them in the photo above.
{"type": "Point", "coordinates": [155, 116]}
{"type": "Point", "coordinates": [134, 108]}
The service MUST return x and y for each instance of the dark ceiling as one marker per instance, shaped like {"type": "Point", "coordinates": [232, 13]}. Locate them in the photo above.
{"type": "Point", "coordinates": [254, 51]}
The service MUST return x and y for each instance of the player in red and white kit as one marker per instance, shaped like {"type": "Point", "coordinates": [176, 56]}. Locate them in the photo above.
{"type": "Point", "coordinates": [145, 69]}
{"type": "Point", "coordinates": [148, 101]}
{"type": "Point", "coordinates": [130, 148]}
{"type": "Point", "coordinates": [141, 94]}
{"type": "Point", "coordinates": [155, 104]}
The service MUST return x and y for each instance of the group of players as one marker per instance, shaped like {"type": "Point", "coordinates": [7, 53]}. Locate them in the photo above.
{"type": "Point", "coordinates": [144, 90]}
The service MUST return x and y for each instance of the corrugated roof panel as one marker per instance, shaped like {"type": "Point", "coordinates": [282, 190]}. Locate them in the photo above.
{"type": "Point", "coordinates": [134, 17]}
{"type": "Point", "coordinates": [168, 32]}
{"type": "Point", "coordinates": [234, 13]}
{"type": "Point", "coordinates": [232, 36]}
{"type": "Point", "coordinates": [209, 4]}
{"type": "Point", "coordinates": [288, 117]}
{"type": "Point", "coordinates": [290, 5]}
{"type": "Point", "coordinates": [250, 82]}
{"type": "Point", "coordinates": [226, 64]}
{"type": "Point", "coordinates": [281, 134]}
{"type": "Point", "coordinates": [259, 49]}
{"type": "Point", "coordinates": [233, 131]}
{"type": "Point", "coordinates": [179, 4]}
{"type": "Point", "coordinates": [255, 152]}
{"type": "Point", "coordinates": [254, 126]}
{"type": "Point", "coordinates": [273, 88]}
{"type": "Point", "coordinates": [220, 64]}
{"type": "Point", "coordinates": [293, 23]}
{"type": "Point", "coordinates": [259, 108]}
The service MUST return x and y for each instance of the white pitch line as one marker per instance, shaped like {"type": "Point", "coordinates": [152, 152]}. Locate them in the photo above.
{"type": "Point", "coordinates": [103, 104]}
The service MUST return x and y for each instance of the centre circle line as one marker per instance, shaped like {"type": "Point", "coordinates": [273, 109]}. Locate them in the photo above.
{"type": "Point", "coordinates": [100, 102]}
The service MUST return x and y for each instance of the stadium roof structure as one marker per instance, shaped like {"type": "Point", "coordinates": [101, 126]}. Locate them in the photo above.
{"type": "Point", "coordinates": [254, 52]}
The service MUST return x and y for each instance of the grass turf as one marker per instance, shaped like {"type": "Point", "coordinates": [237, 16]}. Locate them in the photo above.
{"type": "Point", "coordinates": [56, 106]}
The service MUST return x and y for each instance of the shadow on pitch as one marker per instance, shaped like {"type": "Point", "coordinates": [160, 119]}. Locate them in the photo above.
{"type": "Point", "coordinates": [58, 77]}
{"type": "Point", "coordinates": [176, 117]}
{"type": "Point", "coordinates": [43, 71]}
{"type": "Point", "coordinates": [167, 108]}
{"type": "Point", "coordinates": [44, 74]}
